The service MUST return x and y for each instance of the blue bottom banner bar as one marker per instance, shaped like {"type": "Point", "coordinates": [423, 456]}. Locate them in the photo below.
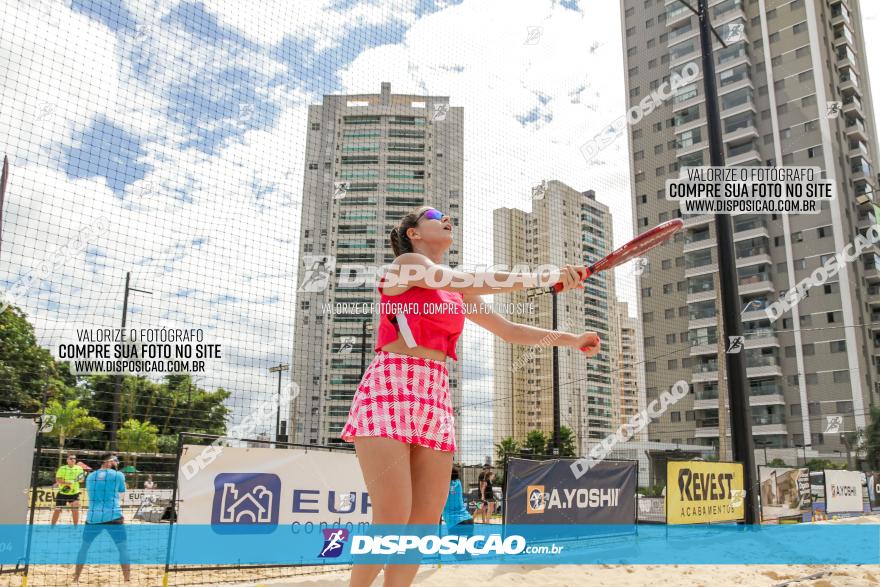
{"type": "Point", "coordinates": [313, 544]}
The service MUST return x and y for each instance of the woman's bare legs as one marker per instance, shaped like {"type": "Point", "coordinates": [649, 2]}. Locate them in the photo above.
{"type": "Point", "coordinates": [385, 464]}
{"type": "Point", "coordinates": [430, 471]}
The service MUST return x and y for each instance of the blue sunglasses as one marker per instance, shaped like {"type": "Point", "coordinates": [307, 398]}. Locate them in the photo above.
{"type": "Point", "coordinates": [431, 214]}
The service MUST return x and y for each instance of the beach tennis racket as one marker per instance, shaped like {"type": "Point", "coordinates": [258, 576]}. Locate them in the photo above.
{"type": "Point", "coordinates": [634, 248]}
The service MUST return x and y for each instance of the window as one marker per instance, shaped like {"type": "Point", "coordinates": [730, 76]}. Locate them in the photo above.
{"type": "Point", "coordinates": [795, 409]}
{"type": "Point", "coordinates": [672, 364]}
{"type": "Point", "coordinates": [837, 346]}
{"type": "Point", "coordinates": [799, 28]}
{"type": "Point", "coordinates": [670, 338]}
{"type": "Point", "coordinates": [840, 376]}
{"type": "Point", "coordinates": [650, 367]}
{"type": "Point", "coordinates": [668, 288]}
{"type": "Point", "coordinates": [648, 317]}
{"type": "Point", "coordinates": [646, 292]}
{"type": "Point", "coordinates": [844, 407]}
{"type": "Point", "coordinates": [809, 349]}
{"type": "Point", "coordinates": [675, 417]}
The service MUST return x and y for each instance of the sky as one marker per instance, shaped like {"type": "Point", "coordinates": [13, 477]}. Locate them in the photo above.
{"type": "Point", "coordinates": [174, 134]}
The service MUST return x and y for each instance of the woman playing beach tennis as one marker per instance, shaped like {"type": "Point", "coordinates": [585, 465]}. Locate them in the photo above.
{"type": "Point", "coordinates": [401, 419]}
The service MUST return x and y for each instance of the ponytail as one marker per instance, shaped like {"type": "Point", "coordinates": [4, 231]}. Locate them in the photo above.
{"type": "Point", "coordinates": [400, 242]}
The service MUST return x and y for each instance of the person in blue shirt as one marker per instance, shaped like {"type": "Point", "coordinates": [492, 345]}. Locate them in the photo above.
{"type": "Point", "coordinates": [455, 513]}
{"type": "Point", "coordinates": [104, 487]}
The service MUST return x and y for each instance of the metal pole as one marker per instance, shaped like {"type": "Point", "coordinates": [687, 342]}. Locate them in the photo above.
{"type": "Point", "coordinates": [740, 412]}
{"type": "Point", "coordinates": [556, 417]}
{"type": "Point", "coordinates": [4, 177]}
{"type": "Point", "coordinates": [278, 411]}
{"type": "Point", "coordinates": [117, 383]}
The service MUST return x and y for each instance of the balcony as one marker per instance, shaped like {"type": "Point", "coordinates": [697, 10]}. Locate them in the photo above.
{"type": "Point", "coordinates": [763, 366]}
{"type": "Point", "coordinates": [706, 432]}
{"type": "Point", "coordinates": [861, 169]}
{"type": "Point", "coordinates": [705, 372]}
{"type": "Point", "coordinates": [855, 128]}
{"type": "Point", "coordinates": [761, 337]}
{"type": "Point", "coordinates": [842, 34]}
{"type": "Point", "coordinates": [752, 256]}
{"type": "Point", "coordinates": [739, 154]}
{"type": "Point", "coordinates": [840, 15]}
{"type": "Point", "coordinates": [693, 220]}
{"type": "Point", "coordinates": [756, 283]}
{"type": "Point", "coordinates": [676, 12]}
{"type": "Point", "coordinates": [748, 228]}
{"type": "Point", "coordinates": [872, 269]}
{"type": "Point", "coordinates": [874, 295]}
{"type": "Point", "coordinates": [852, 105]}
{"type": "Point", "coordinates": [846, 57]}
{"type": "Point", "coordinates": [849, 82]}
{"type": "Point", "coordinates": [766, 429]}
{"type": "Point", "coordinates": [697, 241]}
{"type": "Point", "coordinates": [858, 148]}
{"type": "Point", "coordinates": [699, 266]}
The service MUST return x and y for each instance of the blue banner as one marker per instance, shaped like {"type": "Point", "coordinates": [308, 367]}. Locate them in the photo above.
{"type": "Point", "coordinates": [480, 544]}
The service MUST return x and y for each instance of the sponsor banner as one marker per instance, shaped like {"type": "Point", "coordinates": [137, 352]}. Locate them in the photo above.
{"type": "Point", "coordinates": [652, 509]}
{"type": "Point", "coordinates": [135, 497]}
{"type": "Point", "coordinates": [844, 491]}
{"type": "Point", "coordinates": [265, 487]}
{"type": "Point", "coordinates": [518, 544]}
{"type": "Point", "coordinates": [785, 493]}
{"type": "Point", "coordinates": [46, 496]}
{"type": "Point", "coordinates": [873, 478]}
{"type": "Point", "coordinates": [701, 492]}
{"type": "Point", "coordinates": [545, 492]}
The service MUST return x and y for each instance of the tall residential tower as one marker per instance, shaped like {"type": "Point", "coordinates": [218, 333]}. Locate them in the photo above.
{"type": "Point", "coordinates": [370, 159]}
{"type": "Point", "coordinates": [793, 91]}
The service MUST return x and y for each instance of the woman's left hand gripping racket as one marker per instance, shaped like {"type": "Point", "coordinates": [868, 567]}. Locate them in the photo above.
{"type": "Point", "coordinates": [634, 248]}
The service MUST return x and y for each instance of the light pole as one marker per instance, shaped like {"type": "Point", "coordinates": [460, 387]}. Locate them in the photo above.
{"type": "Point", "coordinates": [740, 416]}
{"type": "Point", "coordinates": [537, 291]}
{"type": "Point", "coordinates": [279, 368]}
{"type": "Point", "coordinates": [117, 385]}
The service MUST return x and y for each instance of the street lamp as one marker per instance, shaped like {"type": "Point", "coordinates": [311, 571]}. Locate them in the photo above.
{"type": "Point", "coordinates": [279, 368]}
{"type": "Point", "coordinates": [366, 326]}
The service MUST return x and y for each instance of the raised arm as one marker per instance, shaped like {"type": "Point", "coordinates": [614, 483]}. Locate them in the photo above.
{"type": "Point", "coordinates": [481, 314]}
{"type": "Point", "coordinates": [415, 269]}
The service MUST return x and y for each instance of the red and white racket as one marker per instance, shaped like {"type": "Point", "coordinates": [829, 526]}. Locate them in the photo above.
{"type": "Point", "coordinates": [634, 248]}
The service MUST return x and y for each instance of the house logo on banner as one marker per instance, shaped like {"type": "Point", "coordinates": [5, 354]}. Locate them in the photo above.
{"type": "Point", "coordinates": [843, 491]}
{"type": "Point", "coordinates": [246, 498]}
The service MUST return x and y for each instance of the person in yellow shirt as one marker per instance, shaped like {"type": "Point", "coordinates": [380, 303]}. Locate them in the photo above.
{"type": "Point", "coordinates": [67, 480]}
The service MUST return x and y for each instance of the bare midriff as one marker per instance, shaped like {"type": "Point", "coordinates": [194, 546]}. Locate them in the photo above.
{"type": "Point", "coordinates": [399, 347]}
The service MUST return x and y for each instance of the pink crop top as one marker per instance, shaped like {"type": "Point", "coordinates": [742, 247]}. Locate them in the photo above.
{"type": "Point", "coordinates": [431, 318]}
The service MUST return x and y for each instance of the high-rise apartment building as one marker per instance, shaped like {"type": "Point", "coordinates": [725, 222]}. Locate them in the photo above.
{"type": "Point", "coordinates": [369, 160]}
{"type": "Point", "coordinates": [629, 394]}
{"type": "Point", "coordinates": [793, 91]}
{"type": "Point", "coordinates": [565, 226]}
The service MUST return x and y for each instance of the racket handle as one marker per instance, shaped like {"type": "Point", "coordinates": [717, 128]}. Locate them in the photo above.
{"type": "Point", "coordinates": [557, 287]}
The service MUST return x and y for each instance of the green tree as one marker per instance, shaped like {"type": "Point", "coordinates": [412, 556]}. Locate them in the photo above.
{"type": "Point", "coordinates": [871, 438]}
{"type": "Point", "coordinates": [536, 442]}
{"type": "Point", "coordinates": [71, 420]}
{"type": "Point", "coordinates": [777, 462]}
{"type": "Point", "coordinates": [26, 368]}
{"type": "Point", "coordinates": [566, 442]}
{"type": "Point", "coordinates": [508, 447]}
{"type": "Point", "coordinates": [135, 436]}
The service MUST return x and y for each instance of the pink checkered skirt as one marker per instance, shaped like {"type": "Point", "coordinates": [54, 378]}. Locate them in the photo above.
{"type": "Point", "coordinates": [404, 398]}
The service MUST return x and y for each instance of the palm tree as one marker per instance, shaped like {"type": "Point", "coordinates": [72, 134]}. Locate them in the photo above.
{"type": "Point", "coordinates": [71, 420]}
{"type": "Point", "coordinates": [506, 448]}
{"type": "Point", "coordinates": [136, 436]}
